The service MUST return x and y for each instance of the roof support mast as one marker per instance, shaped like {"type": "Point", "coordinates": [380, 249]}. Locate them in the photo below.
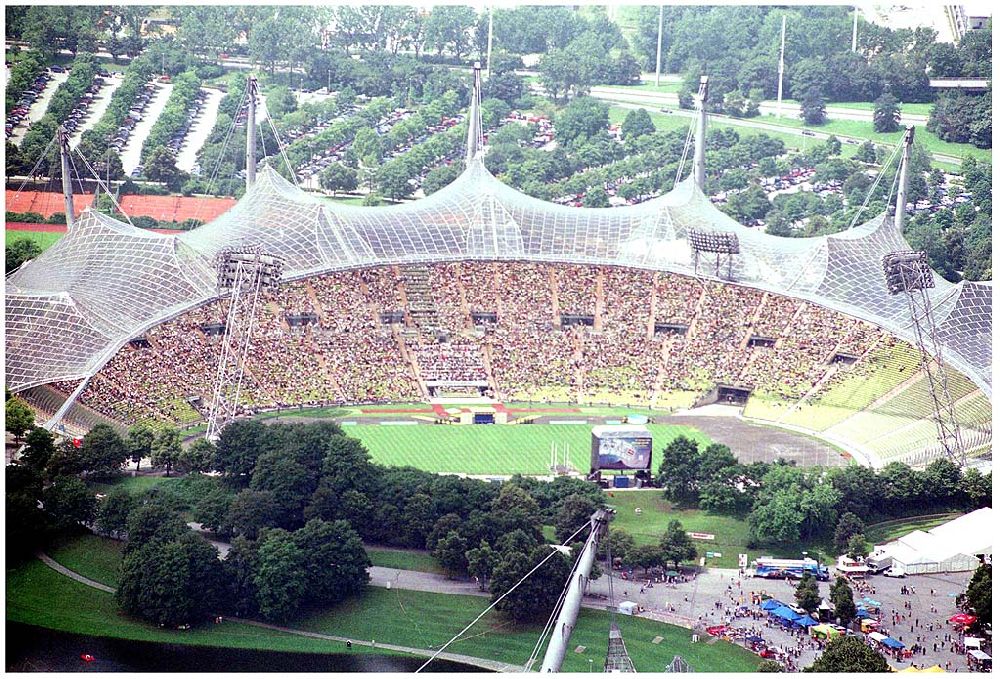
{"type": "Point", "coordinates": [556, 651]}
{"type": "Point", "coordinates": [62, 136]}
{"type": "Point", "coordinates": [474, 141]}
{"type": "Point", "coordinates": [699, 134]}
{"type": "Point", "coordinates": [251, 131]}
{"type": "Point", "coordinates": [904, 178]}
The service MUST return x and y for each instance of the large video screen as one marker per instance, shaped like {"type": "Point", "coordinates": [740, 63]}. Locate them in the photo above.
{"type": "Point", "coordinates": [629, 448]}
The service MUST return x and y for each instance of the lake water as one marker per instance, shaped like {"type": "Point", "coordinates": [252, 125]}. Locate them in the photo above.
{"type": "Point", "coordinates": [36, 649]}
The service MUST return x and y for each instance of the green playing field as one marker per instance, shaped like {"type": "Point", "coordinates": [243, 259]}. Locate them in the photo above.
{"type": "Point", "coordinates": [492, 449]}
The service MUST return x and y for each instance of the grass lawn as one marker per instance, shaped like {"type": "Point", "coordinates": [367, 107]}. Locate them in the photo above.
{"type": "Point", "coordinates": [667, 121]}
{"type": "Point", "coordinates": [730, 532]}
{"type": "Point", "coordinates": [44, 240]}
{"type": "Point", "coordinates": [91, 556]}
{"type": "Point", "coordinates": [912, 109]}
{"type": "Point", "coordinates": [37, 595]}
{"type": "Point", "coordinates": [879, 533]}
{"type": "Point", "coordinates": [403, 560]}
{"type": "Point", "coordinates": [134, 484]}
{"type": "Point", "coordinates": [503, 449]}
{"type": "Point", "coordinates": [863, 129]}
{"type": "Point", "coordinates": [665, 87]}
{"type": "Point", "coordinates": [426, 620]}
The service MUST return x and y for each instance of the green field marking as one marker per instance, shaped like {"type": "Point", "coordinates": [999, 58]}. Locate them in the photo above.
{"type": "Point", "coordinates": [407, 560]}
{"type": "Point", "coordinates": [497, 449]}
{"type": "Point", "coordinates": [91, 556]}
{"type": "Point", "coordinates": [37, 595]}
{"type": "Point", "coordinates": [44, 239]}
{"type": "Point", "coordinates": [425, 620]}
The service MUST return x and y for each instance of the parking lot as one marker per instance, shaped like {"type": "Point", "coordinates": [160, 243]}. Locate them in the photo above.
{"type": "Point", "coordinates": [131, 154]}
{"type": "Point", "coordinates": [34, 103]}
{"type": "Point", "coordinates": [95, 106]}
{"type": "Point", "coordinates": [714, 597]}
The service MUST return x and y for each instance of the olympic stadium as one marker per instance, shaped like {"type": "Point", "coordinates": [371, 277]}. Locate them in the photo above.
{"type": "Point", "coordinates": [482, 290]}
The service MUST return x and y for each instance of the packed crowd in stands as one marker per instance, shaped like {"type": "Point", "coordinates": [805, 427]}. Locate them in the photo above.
{"type": "Point", "coordinates": [323, 340]}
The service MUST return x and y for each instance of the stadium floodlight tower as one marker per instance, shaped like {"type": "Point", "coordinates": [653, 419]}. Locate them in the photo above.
{"type": "Point", "coordinates": [247, 273]}
{"type": "Point", "coordinates": [909, 272]}
{"type": "Point", "coordinates": [724, 244]}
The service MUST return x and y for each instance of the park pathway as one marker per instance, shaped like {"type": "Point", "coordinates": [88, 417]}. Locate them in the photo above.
{"type": "Point", "coordinates": [492, 665]}
{"type": "Point", "coordinates": [51, 563]}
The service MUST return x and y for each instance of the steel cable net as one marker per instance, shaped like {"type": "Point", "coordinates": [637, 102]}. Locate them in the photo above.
{"type": "Point", "coordinates": [73, 307]}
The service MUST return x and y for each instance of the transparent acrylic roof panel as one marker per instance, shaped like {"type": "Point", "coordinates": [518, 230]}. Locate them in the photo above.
{"type": "Point", "coordinates": [115, 281]}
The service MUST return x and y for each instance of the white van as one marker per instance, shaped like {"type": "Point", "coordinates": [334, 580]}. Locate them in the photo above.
{"type": "Point", "coordinates": [895, 573]}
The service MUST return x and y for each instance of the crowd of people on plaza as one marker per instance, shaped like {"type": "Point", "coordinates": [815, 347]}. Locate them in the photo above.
{"type": "Point", "coordinates": [551, 329]}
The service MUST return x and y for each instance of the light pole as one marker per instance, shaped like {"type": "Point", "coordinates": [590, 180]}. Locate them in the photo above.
{"type": "Point", "coordinates": [590, 664]}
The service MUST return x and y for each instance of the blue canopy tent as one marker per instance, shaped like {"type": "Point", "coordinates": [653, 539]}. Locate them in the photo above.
{"type": "Point", "coordinates": [893, 643]}
{"type": "Point", "coordinates": [785, 614]}
{"type": "Point", "coordinates": [868, 601]}
{"type": "Point", "coordinates": [862, 612]}
{"type": "Point", "coordinates": [771, 604]}
{"type": "Point", "coordinates": [805, 621]}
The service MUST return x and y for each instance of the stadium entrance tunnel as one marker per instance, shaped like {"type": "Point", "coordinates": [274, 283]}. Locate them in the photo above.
{"type": "Point", "coordinates": [726, 394]}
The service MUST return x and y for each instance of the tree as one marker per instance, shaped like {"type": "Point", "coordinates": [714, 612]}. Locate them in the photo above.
{"type": "Point", "coordinates": [68, 502]}
{"type": "Point", "coordinates": [813, 108]}
{"type": "Point", "coordinates": [251, 511]}
{"type": "Point", "coordinates": [113, 512]}
{"type": "Point", "coordinates": [212, 511]}
{"type": "Point", "coordinates": [103, 451]}
{"type": "Point", "coordinates": [596, 197]}
{"type": "Point", "coordinates": [583, 119]}
{"type": "Point", "coordinates": [39, 446]}
{"type": "Point", "coordinates": [173, 582]}
{"type": "Point", "coordinates": [450, 27]}
{"type": "Point", "coordinates": [481, 562]}
{"type": "Point", "coordinates": [842, 598]}
{"type": "Point", "coordinates": [289, 483]}
{"type": "Point", "coordinates": [338, 177]}
{"type": "Point", "coordinates": [857, 548]}
{"type": "Point", "coordinates": [807, 593]}
{"type": "Point", "coordinates": [535, 598]}
{"type": "Point", "coordinates": [676, 545]}
{"type": "Point", "coordinates": [849, 654]}
{"type": "Point", "coordinates": [393, 180]}
{"type": "Point", "coordinates": [574, 511]}
{"type": "Point", "coordinates": [850, 524]}
{"type": "Point", "coordinates": [770, 666]}
{"type": "Point", "coordinates": [160, 166]}
{"type": "Point", "coordinates": [153, 522]}
{"type": "Point", "coordinates": [281, 578]}
{"type": "Point", "coordinates": [336, 564]}
{"type": "Point", "coordinates": [20, 251]}
{"type": "Point", "coordinates": [450, 553]}
{"type": "Point", "coordinates": [166, 450]}
{"type": "Point", "coordinates": [139, 442]}
{"type": "Point", "coordinates": [19, 417]}
{"type": "Point", "coordinates": [199, 456]}
{"type": "Point", "coordinates": [678, 473]}
{"type": "Point", "coordinates": [979, 595]}
{"type": "Point", "coordinates": [886, 116]}
{"type": "Point", "coordinates": [637, 123]}
{"type": "Point", "coordinates": [865, 153]}
{"type": "Point", "coordinates": [239, 445]}
{"type": "Point", "coordinates": [777, 519]}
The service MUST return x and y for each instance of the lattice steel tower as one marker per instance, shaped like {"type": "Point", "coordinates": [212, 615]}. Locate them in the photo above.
{"type": "Point", "coordinates": [909, 272]}
{"type": "Point", "coordinates": [248, 274]}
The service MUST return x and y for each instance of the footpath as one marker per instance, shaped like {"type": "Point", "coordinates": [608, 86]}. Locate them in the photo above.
{"type": "Point", "coordinates": [492, 665]}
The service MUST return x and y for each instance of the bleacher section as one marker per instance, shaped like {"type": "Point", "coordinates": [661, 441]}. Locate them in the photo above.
{"type": "Point", "coordinates": [394, 333]}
